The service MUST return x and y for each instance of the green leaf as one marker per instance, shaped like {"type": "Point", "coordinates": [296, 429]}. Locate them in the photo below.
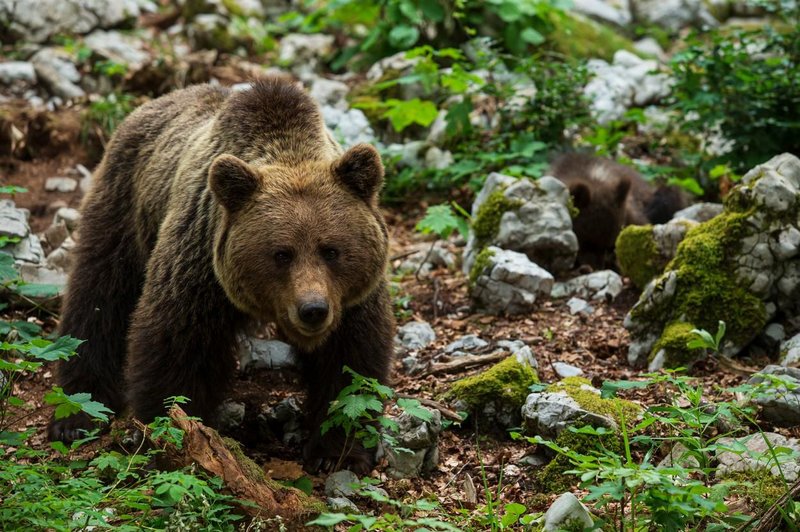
{"type": "Point", "coordinates": [532, 36]}
{"type": "Point", "coordinates": [38, 290]}
{"type": "Point", "coordinates": [329, 520]}
{"type": "Point", "coordinates": [414, 408]}
{"type": "Point", "coordinates": [441, 221]}
{"type": "Point", "coordinates": [403, 113]}
{"type": "Point", "coordinates": [403, 36]}
{"type": "Point", "coordinates": [509, 11]}
{"type": "Point", "coordinates": [7, 270]}
{"type": "Point", "coordinates": [61, 349]}
{"type": "Point", "coordinates": [432, 10]}
{"type": "Point", "coordinates": [67, 405]}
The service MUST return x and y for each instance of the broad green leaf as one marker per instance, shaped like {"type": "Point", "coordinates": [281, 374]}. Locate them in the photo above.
{"type": "Point", "coordinates": [432, 10]}
{"type": "Point", "coordinates": [403, 113]}
{"type": "Point", "coordinates": [61, 349]}
{"type": "Point", "coordinates": [414, 408]}
{"type": "Point", "coordinates": [328, 520]}
{"type": "Point", "coordinates": [7, 270]}
{"type": "Point", "coordinates": [403, 36]}
{"type": "Point", "coordinates": [439, 220]}
{"type": "Point", "coordinates": [532, 36]}
{"type": "Point", "coordinates": [38, 290]}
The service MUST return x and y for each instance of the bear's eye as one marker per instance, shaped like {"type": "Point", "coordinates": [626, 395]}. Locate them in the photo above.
{"type": "Point", "coordinates": [329, 254]}
{"type": "Point", "coordinates": [283, 257]}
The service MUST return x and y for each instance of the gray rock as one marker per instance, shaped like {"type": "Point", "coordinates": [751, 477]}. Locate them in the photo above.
{"type": "Point", "coordinates": [673, 15]}
{"type": "Point", "coordinates": [395, 66]}
{"type": "Point", "coordinates": [37, 274]}
{"type": "Point", "coordinates": [17, 72]}
{"type": "Point", "coordinates": [418, 436]}
{"type": "Point", "coordinates": [70, 218]}
{"type": "Point", "coordinates": [285, 419]}
{"type": "Point", "coordinates": [438, 130]}
{"type": "Point", "coordinates": [55, 69]}
{"type": "Point", "coordinates": [629, 81]}
{"type": "Point", "coordinates": [468, 342]}
{"type": "Point", "coordinates": [520, 350]}
{"type": "Point", "coordinates": [550, 413]}
{"type": "Point", "coordinates": [304, 52]}
{"type": "Point", "coordinates": [415, 335]}
{"type": "Point", "coordinates": [437, 158]}
{"type": "Point", "coordinates": [679, 455]}
{"type": "Point", "coordinates": [510, 283]}
{"type": "Point", "coordinates": [48, 18]}
{"type": "Point", "coordinates": [577, 305]}
{"type": "Point", "coordinates": [61, 257]}
{"type": "Point", "coordinates": [342, 504]}
{"type": "Point", "coordinates": [540, 227]}
{"type": "Point", "coordinates": [256, 353]}
{"type": "Point", "coordinates": [340, 484]}
{"type": "Point", "coordinates": [699, 212]}
{"type": "Point", "coordinates": [764, 259]}
{"type": "Point", "coordinates": [13, 221]}
{"type": "Point", "coordinates": [567, 512]}
{"type": "Point", "coordinates": [566, 370]}
{"type": "Point", "coordinates": [754, 454]}
{"type": "Point", "coordinates": [230, 415]}
{"type": "Point", "coordinates": [617, 14]}
{"type": "Point", "coordinates": [774, 334]}
{"type": "Point", "coordinates": [118, 47]}
{"type": "Point", "coordinates": [790, 351]}
{"type": "Point", "coordinates": [348, 127]}
{"type": "Point", "coordinates": [60, 184]}
{"type": "Point", "coordinates": [427, 258]}
{"type": "Point", "coordinates": [650, 46]}
{"type": "Point", "coordinates": [780, 401]}
{"type": "Point", "coordinates": [86, 178]}
{"type": "Point", "coordinates": [330, 92]}
{"type": "Point", "coordinates": [28, 250]}
{"type": "Point", "coordinates": [601, 285]}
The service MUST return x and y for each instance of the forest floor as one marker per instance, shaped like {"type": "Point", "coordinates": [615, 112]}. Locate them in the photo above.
{"type": "Point", "coordinates": [597, 344]}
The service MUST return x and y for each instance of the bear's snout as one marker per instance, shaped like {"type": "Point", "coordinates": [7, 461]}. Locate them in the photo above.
{"type": "Point", "coordinates": [313, 313]}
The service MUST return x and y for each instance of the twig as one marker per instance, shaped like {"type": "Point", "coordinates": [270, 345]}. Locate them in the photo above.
{"type": "Point", "coordinates": [435, 298]}
{"type": "Point", "coordinates": [465, 361]}
{"type": "Point", "coordinates": [403, 255]}
{"type": "Point", "coordinates": [421, 264]}
{"type": "Point", "coordinates": [446, 412]}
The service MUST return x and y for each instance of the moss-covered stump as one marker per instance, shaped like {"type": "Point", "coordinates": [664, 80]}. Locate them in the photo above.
{"type": "Point", "coordinates": [496, 395]}
{"type": "Point", "coordinates": [741, 267]}
{"type": "Point", "coordinates": [530, 217]}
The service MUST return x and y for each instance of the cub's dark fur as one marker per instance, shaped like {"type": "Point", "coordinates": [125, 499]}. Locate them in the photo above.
{"type": "Point", "coordinates": [610, 196]}
{"type": "Point", "coordinates": [211, 209]}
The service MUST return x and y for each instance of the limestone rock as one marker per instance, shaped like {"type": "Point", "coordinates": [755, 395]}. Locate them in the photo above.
{"type": "Point", "coordinates": [256, 353]}
{"type": "Point", "coordinates": [756, 455]}
{"type": "Point", "coordinates": [415, 335]}
{"type": "Point", "coordinates": [509, 283]}
{"type": "Point", "coordinates": [530, 217]}
{"type": "Point", "coordinates": [742, 267]}
{"type": "Point", "coordinates": [55, 69]}
{"type": "Point", "coordinates": [567, 512]}
{"type": "Point", "coordinates": [604, 285]}
{"type": "Point", "coordinates": [673, 15]}
{"type": "Point", "coordinates": [790, 352]}
{"type": "Point", "coordinates": [780, 403]}
{"type": "Point", "coordinates": [418, 436]}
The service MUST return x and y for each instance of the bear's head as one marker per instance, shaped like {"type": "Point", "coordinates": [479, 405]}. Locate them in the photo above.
{"type": "Point", "coordinates": [299, 244]}
{"type": "Point", "coordinates": [601, 215]}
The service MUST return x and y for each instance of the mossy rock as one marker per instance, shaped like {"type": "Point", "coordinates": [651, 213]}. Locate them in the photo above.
{"type": "Point", "coordinates": [504, 386]}
{"type": "Point", "coordinates": [706, 290]}
{"type": "Point", "coordinates": [620, 410]}
{"type": "Point", "coordinates": [582, 38]}
{"type": "Point", "coordinates": [482, 262]}
{"type": "Point", "coordinates": [490, 213]}
{"type": "Point", "coordinates": [673, 342]}
{"type": "Point", "coordinates": [637, 254]}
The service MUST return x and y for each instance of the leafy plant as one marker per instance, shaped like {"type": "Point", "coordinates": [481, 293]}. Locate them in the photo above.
{"type": "Point", "coordinates": [741, 84]}
{"type": "Point", "coordinates": [442, 220]}
{"type": "Point", "coordinates": [104, 115]}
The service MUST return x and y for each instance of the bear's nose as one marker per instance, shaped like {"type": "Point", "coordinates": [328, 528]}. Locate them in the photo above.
{"type": "Point", "coordinates": [313, 313]}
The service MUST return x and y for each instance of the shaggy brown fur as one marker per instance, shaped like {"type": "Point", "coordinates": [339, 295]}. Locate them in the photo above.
{"type": "Point", "coordinates": [210, 209]}
{"type": "Point", "coordinates": [610, 196]}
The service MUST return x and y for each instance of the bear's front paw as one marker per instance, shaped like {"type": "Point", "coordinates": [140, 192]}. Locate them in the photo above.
{"type": "Point", "coordinates": [71, 428]}
{"type": "Point", "coordinates": [329, 456]}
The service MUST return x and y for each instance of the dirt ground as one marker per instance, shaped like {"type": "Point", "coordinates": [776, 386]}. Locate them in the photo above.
{"type": "Point", "coordinates": [596, 344]}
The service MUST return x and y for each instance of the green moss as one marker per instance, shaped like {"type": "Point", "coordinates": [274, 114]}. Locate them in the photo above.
{"type": "Point", "coordinates": [506, 383]}
{"type": "Point", "coordinates": [706, 287]}
{"type": "Point", "coordinates": [553, 477]}
{"type": "Point", "coordinates": [637, 254]}
{"type": "Point", "coordinates": [482, 261]}
{"type": "Point", "coordinates": [673, 341]}
{"type": "Point", "coordinates": [760, 486]}
{"type": "Point", "coordinates": [573, 210]}
{"type": "Point", "coordinates": [579, 37]}
{"type": "Point", "coordinates": [618, 409]}
{"type": "Point", "coordinates": [487, 219]}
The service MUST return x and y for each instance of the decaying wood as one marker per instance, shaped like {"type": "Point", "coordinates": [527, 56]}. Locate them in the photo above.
{"type": "Point", "coordinates": [464, 362]}
{"type": "Point", "coordinates": [769, 519]}
{"type": "Point", "coordinates": [204, 447]}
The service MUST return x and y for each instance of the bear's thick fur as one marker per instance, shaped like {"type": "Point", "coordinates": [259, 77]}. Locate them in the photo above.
{"type": "Point", "coordinates": [609, 196]}
{"type": "Point", "coordinates": [212, 209]}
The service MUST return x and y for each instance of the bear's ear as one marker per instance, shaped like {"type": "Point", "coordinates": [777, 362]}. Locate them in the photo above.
{"type": "Point", "coordinates": [232, 181]}
{"type": "Point", "coordinates": [581, 195]}
{"type": "Point", "coordinates": [360, 169]}
{"type": "Point", "coordinates": [621, 192]}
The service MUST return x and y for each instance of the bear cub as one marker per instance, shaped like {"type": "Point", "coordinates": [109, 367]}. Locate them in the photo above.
{"type": "Point", "coordinates": [609, 196]}
{"type": "Point", "coordinates": [212, 209]}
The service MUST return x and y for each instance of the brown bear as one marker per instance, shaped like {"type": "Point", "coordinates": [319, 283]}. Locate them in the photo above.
{"type": "Point", "coordinates": [212, 209]}
{"type": "Point", "coordinates": [609, 196]}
